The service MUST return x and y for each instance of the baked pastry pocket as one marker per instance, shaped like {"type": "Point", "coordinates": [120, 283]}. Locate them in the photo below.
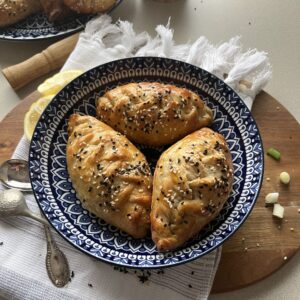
{"type": "Point", "coordinates": [191, 183]}
{"type": "Point", "coordinates": [153, 114]}
{"type": "Point", "coordinates": [110, 175]}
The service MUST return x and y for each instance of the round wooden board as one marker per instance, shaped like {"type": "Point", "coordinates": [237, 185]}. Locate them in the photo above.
{"type": "Point", "coordinates": [262, 244]}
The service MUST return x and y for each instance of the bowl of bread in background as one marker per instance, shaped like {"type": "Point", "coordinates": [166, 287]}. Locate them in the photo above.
{"type": "Point", "coordinates": [28, 19]}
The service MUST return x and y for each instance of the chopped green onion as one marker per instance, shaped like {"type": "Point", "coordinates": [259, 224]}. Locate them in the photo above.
{"type": "Point", "coordinates": [274, 153]}
{"type": "Point", "coordinates": [278, 211]}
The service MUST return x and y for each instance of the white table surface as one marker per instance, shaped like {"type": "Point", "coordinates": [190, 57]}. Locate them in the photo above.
{"type": "Point", "coordinates": [269, 25]}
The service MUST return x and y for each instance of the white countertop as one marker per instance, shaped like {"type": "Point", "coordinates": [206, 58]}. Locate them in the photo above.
{"type": "Point", "coordinates": [269, 25]}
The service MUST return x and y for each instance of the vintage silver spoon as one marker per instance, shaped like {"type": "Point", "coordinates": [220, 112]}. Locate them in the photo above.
{"type": "Point", "coordinates": [12, 203]}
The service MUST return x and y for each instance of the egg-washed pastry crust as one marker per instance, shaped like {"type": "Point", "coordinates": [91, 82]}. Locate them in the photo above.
{"type": "Point", "coordinates": [13, 11]}
{"type": "Point", "coordinates": [191, 183]}
{"type": "Point", "coordinates": [110, 175]}
{"type": "Point", "coordinates": [89, 6]}
{"type": "Point", "coordinates": [153, 114]}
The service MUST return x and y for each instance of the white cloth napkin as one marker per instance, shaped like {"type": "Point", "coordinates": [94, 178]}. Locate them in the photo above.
{"type": "Point", "coordinates": [22, 255]}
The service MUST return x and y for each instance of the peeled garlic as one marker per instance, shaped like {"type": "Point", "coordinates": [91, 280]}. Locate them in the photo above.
{"type": "Point", "coordinates": [271, 198]}
{"type": "Point", "coordinates": [285, 177]}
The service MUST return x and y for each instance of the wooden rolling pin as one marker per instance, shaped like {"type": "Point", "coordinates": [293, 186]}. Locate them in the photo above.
{"type": "Point", "coordinates": [40, 64]}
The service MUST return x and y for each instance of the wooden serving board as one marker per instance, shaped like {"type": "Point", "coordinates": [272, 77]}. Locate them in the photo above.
{"type": "Point", "coordinates": [269, 242]}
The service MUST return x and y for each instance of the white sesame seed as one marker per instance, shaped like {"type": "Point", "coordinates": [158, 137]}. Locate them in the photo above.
{"type": "Point", "coordinates": [291, 229]}
{"type": "Point", "coordinates": [285, 258]}
{"type": "Point", "coordinates": [268, 179]}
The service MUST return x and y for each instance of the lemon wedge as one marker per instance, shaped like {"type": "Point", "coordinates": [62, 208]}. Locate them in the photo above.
{"type": "Point", "coordinates": [34, 113]}
{"type": "Point", "coordinates": [54, 84]}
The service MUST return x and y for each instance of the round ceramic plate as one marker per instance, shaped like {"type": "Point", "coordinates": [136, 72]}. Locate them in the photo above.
{"type": "Point", "coordinates": [37, 27]}
{"type": "Point", "coordinates": [57, 198]}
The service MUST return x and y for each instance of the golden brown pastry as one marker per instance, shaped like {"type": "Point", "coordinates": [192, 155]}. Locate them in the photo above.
{"type": "Point", "coordinates": [153, 113]}
{"type": "Point", "coordinates": [192, 181]}
{"type": "Point", "coordinates": [13, 11]}
{"type": "Point", "coordinates": [56, 10]}
{"type": "Point", "coordinates": [89, 6]}
{"type": "Point", "coordinates": [110, 175]}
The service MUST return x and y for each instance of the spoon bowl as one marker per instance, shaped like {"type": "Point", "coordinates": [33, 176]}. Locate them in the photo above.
{"type": "Point", "coordinates": [12, 203]}
{"type": "Point", "coordinates": [14, 174]}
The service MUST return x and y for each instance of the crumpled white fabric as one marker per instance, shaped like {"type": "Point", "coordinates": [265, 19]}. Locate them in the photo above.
{"type": "Point", "coordinates": [22, 267]}
{"type": "Point", "coordinates": [247, 72]}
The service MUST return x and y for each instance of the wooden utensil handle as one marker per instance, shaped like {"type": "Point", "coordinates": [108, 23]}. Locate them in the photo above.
{"type": "Point", "coordinates": [40, 64]}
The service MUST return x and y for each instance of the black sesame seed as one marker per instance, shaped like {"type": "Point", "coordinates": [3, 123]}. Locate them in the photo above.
{"type": "Point", "coordinates": [190, 286]}
{"type": "Point", "coordinates": [143, 278]}
{"type": "Point", "coordinates": [90, 285]}
{"type": "Point", "coordinates": [72, 274]}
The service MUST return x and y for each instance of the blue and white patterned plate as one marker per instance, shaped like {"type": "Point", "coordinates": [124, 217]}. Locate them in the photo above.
{"type": "Point", "coordinates": [57, 198]}
{"type": "Point", "coordinates": [37, 27]}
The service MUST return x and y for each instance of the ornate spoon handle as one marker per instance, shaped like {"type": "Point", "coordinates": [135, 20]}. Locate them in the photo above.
{"type": "Point", "coordinates": [56, 262]}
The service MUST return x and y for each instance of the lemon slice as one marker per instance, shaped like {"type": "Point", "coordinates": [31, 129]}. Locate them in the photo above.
{"type": "Point", "coordinates": [54, 84]}
{"type": "Point", "coordinates": [34, 113]}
